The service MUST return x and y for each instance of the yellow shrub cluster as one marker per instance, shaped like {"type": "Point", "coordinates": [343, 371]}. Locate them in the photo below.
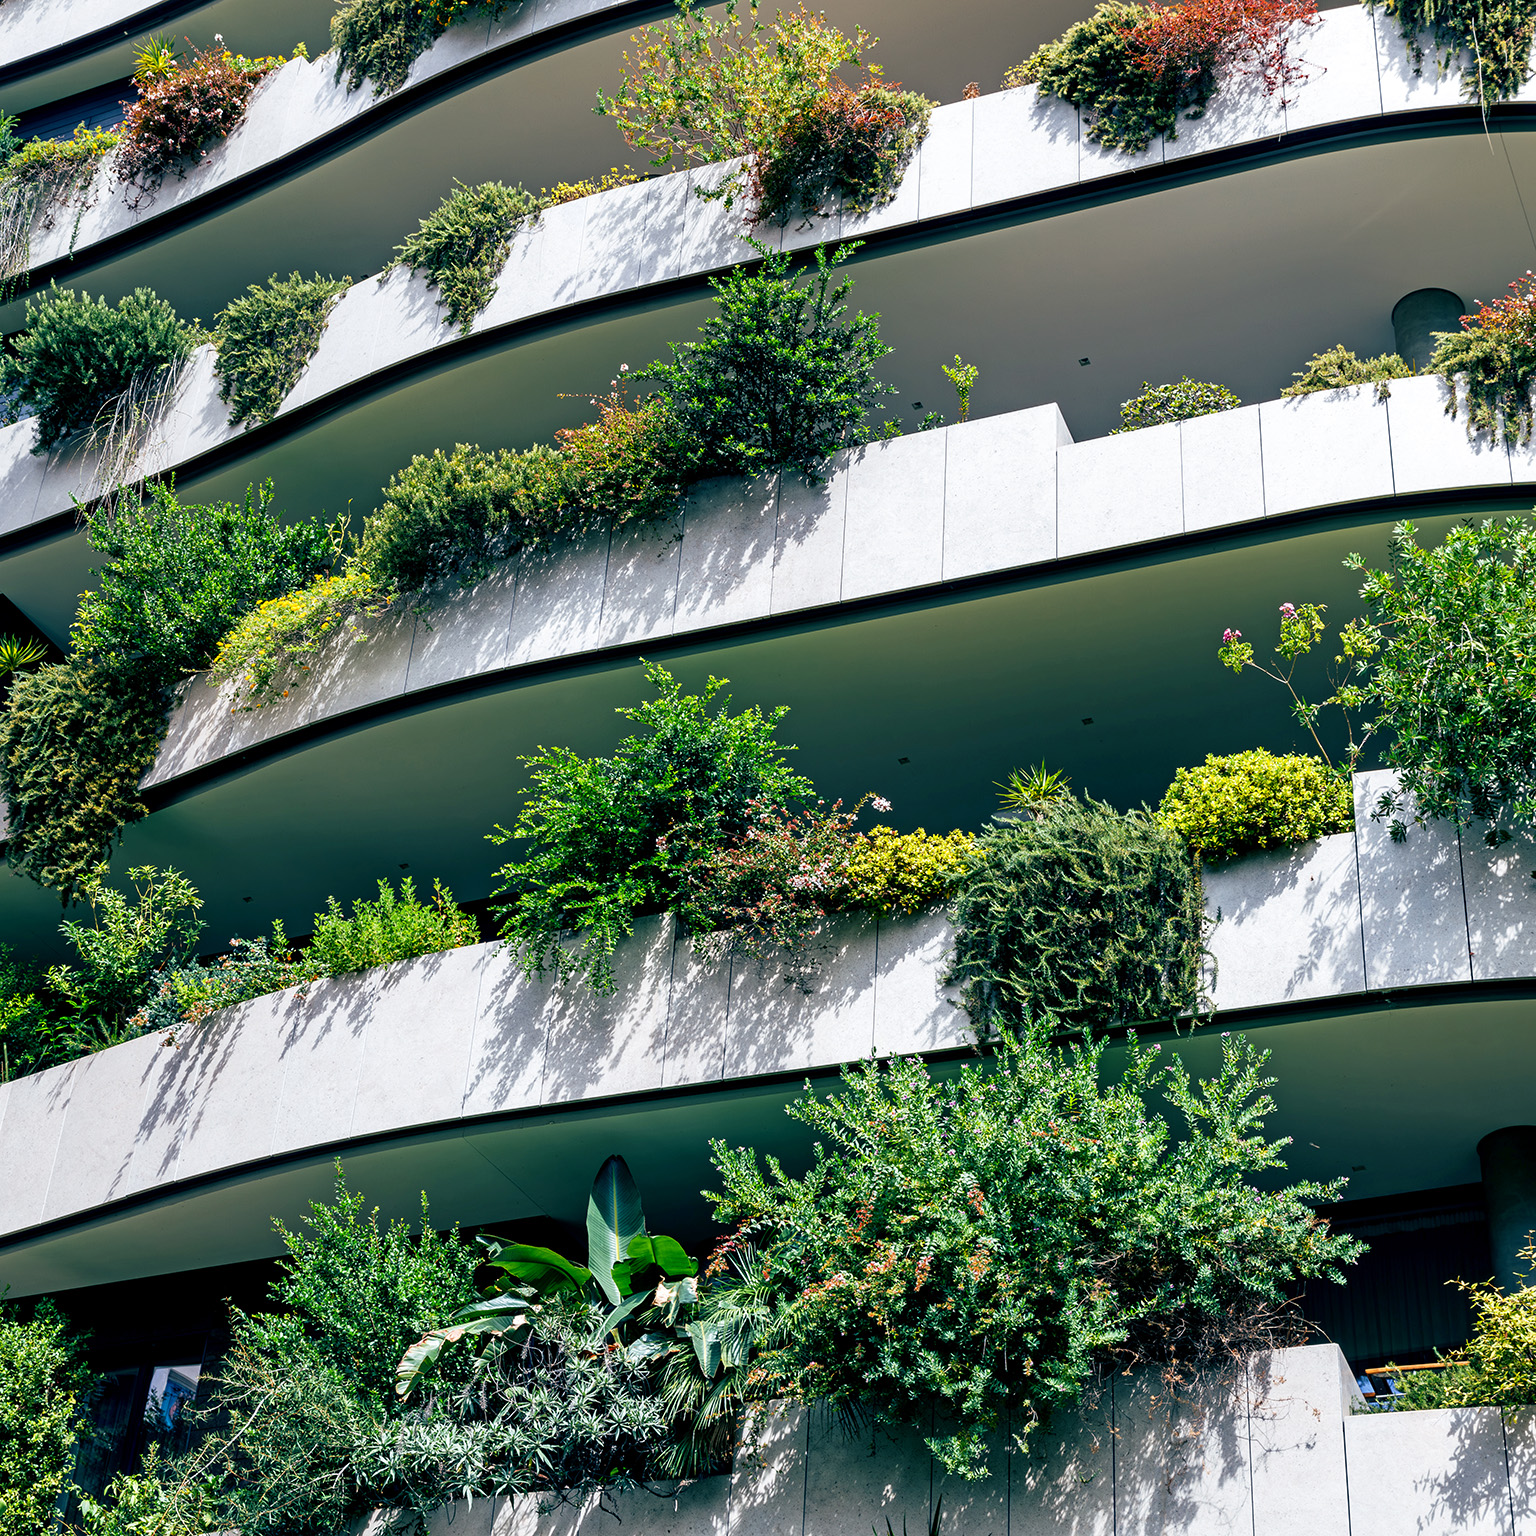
{"type": "Point", "coordinates": [1252, 801]}
{"type": "Point", "coordinates": [281, 637]}
{"type": "Point", "coordinates": [890, 871]}
{"type": "Point", "coordinates": [570, 191]}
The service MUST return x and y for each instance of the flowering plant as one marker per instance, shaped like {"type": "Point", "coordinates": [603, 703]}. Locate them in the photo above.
{"type": "Point", "coordinates": [179, 114]}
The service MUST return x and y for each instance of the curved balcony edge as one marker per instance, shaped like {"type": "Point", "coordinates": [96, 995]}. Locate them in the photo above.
{"type": "Point", "coordinates": [462, 1037]}
{"type": "Point", "coordinates": [1359, 74]}
{"type": "Point", "coordinates": [989, 498]}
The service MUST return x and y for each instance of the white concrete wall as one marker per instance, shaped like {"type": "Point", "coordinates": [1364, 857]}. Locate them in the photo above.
{"type": "Point", "coordinates": [447, 1038]}
{"type": "Point", "coordinates": [1274, 1450]}
{"type": "Point", "coordinates": [997, 494]}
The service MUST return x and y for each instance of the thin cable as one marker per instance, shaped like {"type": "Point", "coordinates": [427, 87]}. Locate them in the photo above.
{"type": "Point", "coordinates": [1515, 180]}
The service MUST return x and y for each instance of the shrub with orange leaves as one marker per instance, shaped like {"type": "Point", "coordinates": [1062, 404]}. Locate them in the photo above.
{"type": "Point", "coordinates": [1490, 364]}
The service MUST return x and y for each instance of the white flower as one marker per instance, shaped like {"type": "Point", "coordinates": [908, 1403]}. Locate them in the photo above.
{"type": "Point", "coordinates": [880, 803]}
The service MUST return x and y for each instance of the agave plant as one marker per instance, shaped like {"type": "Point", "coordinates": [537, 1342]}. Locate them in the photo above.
{"type": "Point", "coordinates": [16, 652]}
{"type": "Point", "coordinates": [1033, 789]}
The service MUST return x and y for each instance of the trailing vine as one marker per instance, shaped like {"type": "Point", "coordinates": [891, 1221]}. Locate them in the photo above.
{"type": "Point", "coordinates": [1498, 36]}
{"type": "Point", "coordinates": [37, 180]}
{"type": "Point", "coordinates": [265, 338]}
{"type": "Point", "coordinates": [1490, 364]}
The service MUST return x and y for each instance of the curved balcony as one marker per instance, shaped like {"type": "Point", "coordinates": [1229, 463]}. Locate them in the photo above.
{"type": "Point", "coordinates": [1368, 968]}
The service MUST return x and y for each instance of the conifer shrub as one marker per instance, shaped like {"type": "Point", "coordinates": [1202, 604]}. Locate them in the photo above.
{"type": "Point", "coordinates": [78, 354]}
{"type": "Point", "coordinates": [1159, 404]}
{"type": "Point", "coordinates": [264, 339]}
{"type": "Point", "coordinates": [1490, 364]}
{"type": "Point", "coordinates": [972, 1256]}
{"type": "Point", "coordinates": [1250, 802]}
{"type": "Point", "coordinates": [462, 245]}
{"type": "Point", "coordinates": [1093, 916]}
{"type": "Point", "coordinates": [1339, 368]}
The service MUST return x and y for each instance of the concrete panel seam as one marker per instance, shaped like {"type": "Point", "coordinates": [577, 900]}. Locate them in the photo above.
{"type": "Point", "coordinates": [1365, 970]}
{"type": "Point", "coordinates": [1258, 417]}
{"type": "Point", "coordinates": [1349, 1513]}
{"type": "Point", "coordinates": [1509, 1479]}
{"type": "Point", "coordinates": [357, 1077]}
{"type": "Point", "coordinates": [1466, 912]}
{"type": "Point", "coordinates": [53, 1162]}
{"type": "Point", "coordinates": [474, 1032]}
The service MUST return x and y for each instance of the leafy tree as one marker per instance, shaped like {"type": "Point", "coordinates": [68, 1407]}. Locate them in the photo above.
{"type": "Point", "coordinates": [780, 379]}
{"type": "Point", "coordinates": [987, 1247]}
{"type": "Point", "coordinates": [78, 353]}
{"type": "Point", "coordinates": [1452, 635]}
{"type": "Point", "coordinates": [44, 1387]}
{"type": "Point", "coordinates": [609, 837]}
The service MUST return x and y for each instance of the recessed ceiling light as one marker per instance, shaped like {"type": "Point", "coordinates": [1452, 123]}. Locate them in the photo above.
{"type": "Point", "coordinates": [405, 866]}
{"type": "Point", "coordinates": [1087, 719]}
{"type": "Point", "coordinates": [917, 405]}
{"type": "Point", "coordinates": [1083, 362]}
{"type": "Point", "coordinates": [903, 759]}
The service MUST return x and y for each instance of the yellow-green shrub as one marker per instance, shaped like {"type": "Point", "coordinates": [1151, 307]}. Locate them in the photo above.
{"type": "Point", "coordinates": [281, 637]}
{"type": "Point", "coordinates": [890, 871]}
{"type": "Point", "coordinates": [1251, 801]}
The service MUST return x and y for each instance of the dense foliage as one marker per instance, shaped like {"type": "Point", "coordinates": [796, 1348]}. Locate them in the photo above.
{"type": "Point", "coordinates": [78, 354]}
{"type": "Point", "coordinates": [780, 379]}
{"type": "Point", "coordinates": [604, 839]}
{"type": "Point", "coordinates": [178, 113]}
{"type": "Point", "coordinates": [44, 1388]}
{"type": "Point", "coordinates": [887, 872]}
{"type": "Point", "coordinates": [391, 927]}
{"type": "Point", "coordinates": [76, 737]}
{"type": "Point", "coordinates": [1451, 636]}
{"type": "Point", "coordinates": [1081, 912]}
{"type": "Point", "coordinates": [1135, 69]}
{"type": "Point", "coordinates": [264, 338]}
{"type": "Point", "coordinates": [1497, 33]}
{"type": "Point", "coordinates": [1162, 403]}
{"type": "Point", "coordinates": [1490, 364]}
{"type": "Point", "coordinates": [1339, 368]}
{"type": "Point", "coordinates": [776, 96]}
{"type": "Point", "coordinates": [1253, 801]}
{"type": "Point", "coordinates": [452, 517]}
{"type": "Point", "coordinates": [379, 40]}
{"type": "Point", "coordinates": [984, 1249]}
{"type": "Point", "coordinates": [462, 245]}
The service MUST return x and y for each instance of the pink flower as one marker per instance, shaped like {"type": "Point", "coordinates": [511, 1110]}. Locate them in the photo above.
{"type": "Point", "coordinates": [1229, 635]}
{"type": "Point", "coordinates": [880, 803]}
{"type": "Point", "coordinates": [1287, 610]}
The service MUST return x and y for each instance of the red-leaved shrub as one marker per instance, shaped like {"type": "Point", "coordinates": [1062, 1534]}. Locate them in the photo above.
{"type": "Point", "coordinates": [1196, 44]}
{"type": "Point", "coordinates": [178, 116]}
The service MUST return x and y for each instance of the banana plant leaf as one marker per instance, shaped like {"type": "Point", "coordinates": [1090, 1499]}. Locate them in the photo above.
{"type": "Point", "coordinates": [615, 1218]}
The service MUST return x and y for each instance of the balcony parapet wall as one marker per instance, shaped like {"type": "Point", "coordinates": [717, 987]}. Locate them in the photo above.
{"type": "Point", "coordinates": [460, 1036]}
{"type": "Point", "coordinates": [1275, 1449]}
{"type": "Point", "coordinates": [1009, 493]}
{"type": "Point", "coordinates": [989, 151]}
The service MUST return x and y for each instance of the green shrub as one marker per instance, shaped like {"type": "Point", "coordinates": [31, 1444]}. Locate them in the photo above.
{"type": "Point", "coordinates": [889, 872]}
{"type": "Point", "coordinates": [78, 354]}
{"type": "Point", "coordinates": [985, 1250]}
{"type": "Point", "coordinates": [1082, 912]}
{"type": "Point", "coordinates": [28, 1040]}
{"type": "Point", "coordinates": [311, 1379]}
{"type": "Point", "coordinates": [608, 838]}
{"type": "Point", "coordinates": [264, 340]}
{"type": "Point", "coordinates": [187, 993]}
{"type": "Point", "coordinates": [44, 1389]}
{"type": "Point", "coordinates": [1339, 368]}
{"type": "Point", "coordinates": [154, 1502]}
{"type": "Point", "coordinates": [387, 929]}
{"type": "Point", "coordinates": [462, 245]}
{"type": "Point", "coordinates": [1252, 801]}
{"type": "Point", "coordinates": [779, 380]}
{"type": "Point", "coordinates": [178, 576]}
{"type": "Point", "coordinates": [1162, 403]}
{"type": "Point", "coordinates": [1498, 36]}
{"type": "Point", "coordinates": [1451, 633]}
{"type": "Point", "coordinates": [73, 746]}
{"type": "Point", "coordinates": [379, 40]}
{"type": "Point", "coordinates": [450, 517]}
